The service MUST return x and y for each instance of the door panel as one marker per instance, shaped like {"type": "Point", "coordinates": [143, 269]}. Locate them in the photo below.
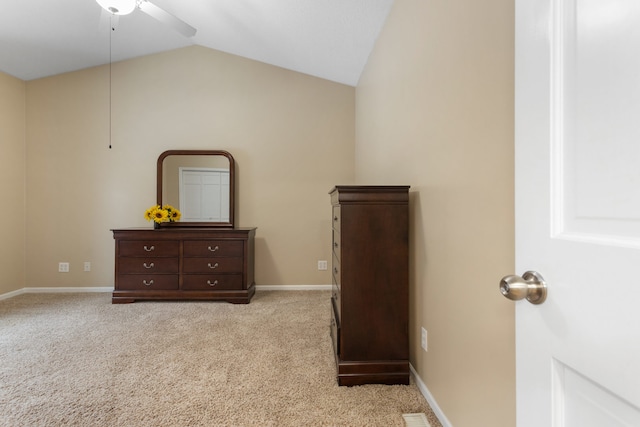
{"type": "Point", "coordinates": [578, 211]}
{"type": "Point", "coordinates": [585, 403]}
{"type": "Point", "coordinates": [595, 130]}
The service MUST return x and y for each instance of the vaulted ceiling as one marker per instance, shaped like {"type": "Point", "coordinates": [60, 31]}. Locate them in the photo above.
{"type": "Point", "coordinates": [330, 39]}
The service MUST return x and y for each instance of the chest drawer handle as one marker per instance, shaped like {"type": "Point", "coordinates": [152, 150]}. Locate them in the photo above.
{"type": "Point", "coordinates": [335, 218]}
{"type": "Point", "coordinates": [148, 266]}
{"type": "Point", "coordinates": [335, 270]}
{"type": "Point", "coordinates": [213, 249]}
{"type": "Point", "coordinates": [149, 283]}
{"type": "Point", "coordinates": [335, 244]}
{"type": "Point", "coordinates": [212, 284]}
{"type": "Point", "coordinates": [212, 266]}
{"type": "Point", "coordinates": [149, 249]}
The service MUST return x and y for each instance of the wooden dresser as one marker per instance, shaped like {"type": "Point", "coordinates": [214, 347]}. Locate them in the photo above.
{"type": "Point", "coordinates": [370, 297]}
{"type": "Point", "coordinates": [184, 264]}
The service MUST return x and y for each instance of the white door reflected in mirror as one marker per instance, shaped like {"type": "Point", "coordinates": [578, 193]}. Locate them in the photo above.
{"type": "Point", "coordinates": [204, 194]}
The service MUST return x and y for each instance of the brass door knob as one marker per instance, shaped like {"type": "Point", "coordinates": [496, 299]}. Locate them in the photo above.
{"type": "Point", "coordinates": [530, 286]}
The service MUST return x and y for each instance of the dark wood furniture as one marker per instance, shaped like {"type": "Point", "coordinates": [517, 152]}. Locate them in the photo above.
{"type": "Point", "coordinates": [370, 297]}
{"type": "Point", "coordinates": [168, 168]}
{"type": "Point", "coordinates": [203, 260]}
{"type": "Point", "coordinates": [184, 263]}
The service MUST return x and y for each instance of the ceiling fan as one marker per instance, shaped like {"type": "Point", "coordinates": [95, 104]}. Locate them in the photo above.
{"type": "Point", "coordinates": [125, 7]}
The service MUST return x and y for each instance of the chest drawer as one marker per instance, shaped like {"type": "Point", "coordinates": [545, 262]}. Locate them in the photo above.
{"type": "Point", "coordinates": [147, 282]}
{"type": "Point", "coordinates": [149, 248]}
{"type": "Point", "coordinates": [335, 270]}
{"type": "Point", "coordinates": [208, 282]}
{"type": "Point", "coordinates": [147, 265]}
{"type": "Point", "coordinates": [336, 243]}
{"type": "Point", "coordinates": [335, 329]}
{"type": "Point", "coordinates": [211, 248]}
{"type": "Point", "coordinates": [336, 218]}
{"type": "Point", "coordinates": [213, 265]}
{"type": "Point", "coordinates": [335, 295]}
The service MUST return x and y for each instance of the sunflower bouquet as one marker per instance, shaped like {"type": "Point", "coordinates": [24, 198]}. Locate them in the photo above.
{"type": "Point", "coordinates": [166, 213]}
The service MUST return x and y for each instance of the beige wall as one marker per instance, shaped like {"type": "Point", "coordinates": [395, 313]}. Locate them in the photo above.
{"type": "Point", "coordinates": [434, 109]}
{"type": "Point", "coordinates": [292, 137]}
{"type": "Point", "coordinates": [12, 183]}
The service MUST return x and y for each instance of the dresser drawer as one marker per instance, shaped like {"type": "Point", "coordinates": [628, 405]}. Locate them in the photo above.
{"type": "Point", "coordinates": [147, 265]}
{"type": "Point", "coordinates": [209, 282]}
{"type": "Point", "coordinates": [147, 282]}
{"type": "Point", "coordinates": [336, 218]}
{"type": "Point", "coordinates": [213, 265]}
{"type": "Point", "coordinates": [208, 248]}
{"type": "Point", "coordinates": [149, 248]}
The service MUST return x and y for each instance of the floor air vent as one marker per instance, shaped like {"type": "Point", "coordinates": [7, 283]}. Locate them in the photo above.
{"type": "Point", "coordinates": [416, 420]}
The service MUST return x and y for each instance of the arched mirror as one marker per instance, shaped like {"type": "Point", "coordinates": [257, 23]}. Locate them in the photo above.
{"type": "Point", "coordinates": [201, 184]}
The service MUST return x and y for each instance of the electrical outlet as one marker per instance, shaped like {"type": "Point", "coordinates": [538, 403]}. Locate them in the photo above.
{"type": "Point", "coordinates": [322, 265]}
{"type": "Point", "coordinates": [63, 267]}
{"type": "Point", "coordinates": [87, 266]}
{"type": "Point", "coordinates": [423, 340]}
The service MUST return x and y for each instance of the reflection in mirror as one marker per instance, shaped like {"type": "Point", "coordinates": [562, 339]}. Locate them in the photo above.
{"type": "Point", "coordinates": [200, 184]}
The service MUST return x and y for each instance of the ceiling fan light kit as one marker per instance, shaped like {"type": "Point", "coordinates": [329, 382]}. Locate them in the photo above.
{"type": "Point", "coordinates": [118, 7]}
{"type": "Point", "coordinates": [125, 7]}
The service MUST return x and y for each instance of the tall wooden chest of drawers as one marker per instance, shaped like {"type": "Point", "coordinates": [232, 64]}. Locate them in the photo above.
{"type": "Point", "coordinates": [370, 297]}
{"type": "Point", "coordinates": [184, 264]}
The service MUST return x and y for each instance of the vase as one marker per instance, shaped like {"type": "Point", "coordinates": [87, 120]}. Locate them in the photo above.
{"type": "Point", "coordinates": [156, 225]}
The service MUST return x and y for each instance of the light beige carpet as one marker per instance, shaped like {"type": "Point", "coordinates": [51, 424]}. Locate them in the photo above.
{"type": "Point", "coordinates": [76, 359]}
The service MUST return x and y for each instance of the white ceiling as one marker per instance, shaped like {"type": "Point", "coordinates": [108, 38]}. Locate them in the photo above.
{"type": "Point", "coordinates": [330, 39]}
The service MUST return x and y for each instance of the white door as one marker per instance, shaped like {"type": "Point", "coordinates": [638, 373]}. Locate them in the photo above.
{"type": "Point", "coordinates": [578, 211]}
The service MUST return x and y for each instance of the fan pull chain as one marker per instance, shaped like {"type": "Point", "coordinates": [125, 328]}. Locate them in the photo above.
{"type": "Point", "coordinates": [112, 29]}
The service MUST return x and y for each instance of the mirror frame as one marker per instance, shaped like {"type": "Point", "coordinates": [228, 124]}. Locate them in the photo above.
{"type": "Point", "coordinates": [232, 186]}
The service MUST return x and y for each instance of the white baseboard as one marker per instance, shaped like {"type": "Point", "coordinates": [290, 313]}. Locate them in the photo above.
{"type": "Point", "coordinates": [11, 294]}
{"type": "Point", "coordinates": [293, 288]}
{"type": "Point", "coordinates": [51, 290]}
{"type": "Point", "coordinates": [430, 399]}
{"type": "Point", "coordinates": [55, 290]}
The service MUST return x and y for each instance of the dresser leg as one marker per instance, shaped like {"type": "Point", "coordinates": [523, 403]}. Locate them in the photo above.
{"type": "Point", "coordinates": [121, 300]}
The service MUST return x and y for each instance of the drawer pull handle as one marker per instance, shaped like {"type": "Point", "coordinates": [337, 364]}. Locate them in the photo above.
{"type": "Point", "coordinates": [335, 218]}
{"type": "Point", "coordinates": [335, 270]}
{"type": "Point", "coordinates": [335, 244]}
{"type": "Point", "coordinates": [149, 249]}
{"type": "Point", "coordinates": [212, 266]}
{"type": "Point", "coordinates": [148, 266]}
{"type": "Point", "coordinates": [149, 283]}
{"type": "Point", "coordinates": [213, 249]}
{"type": "Point", "coordinates": [212, 284]}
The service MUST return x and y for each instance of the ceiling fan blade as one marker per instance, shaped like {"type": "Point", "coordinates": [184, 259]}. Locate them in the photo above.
{"type": "Point", "coordinates": [166, 18]}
